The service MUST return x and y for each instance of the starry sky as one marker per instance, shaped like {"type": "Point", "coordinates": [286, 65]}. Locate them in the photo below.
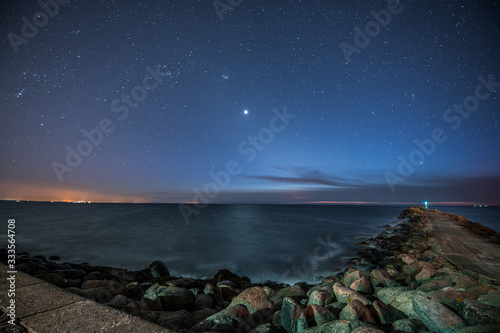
{"type": "Point", "coordinates": [250, 101]}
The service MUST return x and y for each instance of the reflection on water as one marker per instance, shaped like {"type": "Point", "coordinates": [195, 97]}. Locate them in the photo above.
{"type": "Point", "coordinates": [260, 241]}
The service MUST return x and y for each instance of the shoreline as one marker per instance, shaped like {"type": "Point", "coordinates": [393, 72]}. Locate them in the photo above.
{"type": "Point", "coordinates": [397, 280]}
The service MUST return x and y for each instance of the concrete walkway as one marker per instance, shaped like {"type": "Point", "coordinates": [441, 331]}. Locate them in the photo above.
{"type": "Point", "coordinates": [42, 307]}
{"type": "Point", "coordinates": [464, 248]}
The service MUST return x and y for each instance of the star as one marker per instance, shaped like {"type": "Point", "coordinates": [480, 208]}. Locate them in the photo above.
{"type": "Point", "coordinates": [245, 112]}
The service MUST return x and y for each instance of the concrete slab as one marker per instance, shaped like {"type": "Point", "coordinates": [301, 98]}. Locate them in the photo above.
{"type": "Point", "coordinates": [88, 316]}
{"type": "Point", "coordinates": [42, 307]}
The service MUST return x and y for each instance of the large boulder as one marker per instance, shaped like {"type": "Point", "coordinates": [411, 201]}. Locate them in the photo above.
{"type": "Point", "coordinates": [296, 292]}
{"type": "Point", "coordinates": [176, 320]}
{"type": "Point", "coordinates": [451, 297]}
{"type": "Point", "coordinates": [386, 314]}
{"type": "Point", "coordinates": [381, 279]}
{"type": "Point", "coordinates": [404, 302]}
{"type": "Point", "coordinates": [231, 319]}
{"type": "Point", "coordinates": [101, 295]}
{"type": "Point", "coordinates": [345, 295]}
{"type": "Point", "coordinates": [362, 285]}
{"type": "Point", "coordinates": [254, 299]}
{"type": "Point", "coordinates": [385, 294]}
{"type": "Point", "coordinates": [120, 301]}
{"type": "Point", "coordinates": [204, 301]}
{"type": "Point", "coordinates": [158, 269]}
{"type": "Point", "coordinates": [116, 288]}
{"type": "Point", "coordinates": [293, 318]}
{"type": "Point", "coordinates": [317, 315]}
{"type": "Point", "coordinates": [53, 278]}
{"type": "Point", "coordinates": [321, 298]}
{"type": "Point", "coordinates": [357, 310]}
{"type": "Point", "coordinates": [435, 284]}
{"type": "Point", "coordinates": [352, 275]}
{"type": "Point", "coordinates": [436, 316]}
{"type": "Point", "coordinates": [175, 298]}
{"type": "Point", "coordinates": [476, 313]}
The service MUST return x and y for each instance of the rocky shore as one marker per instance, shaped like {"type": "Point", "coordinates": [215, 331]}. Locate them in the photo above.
{"type": "Point", "coordinates": [397, 283]}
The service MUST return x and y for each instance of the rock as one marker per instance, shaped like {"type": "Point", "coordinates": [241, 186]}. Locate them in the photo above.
{"type": "Point", "coordinates": [295, 292]}
{"type": "Point", "coordinates": [55, 258]}
{"type": "Point", "coordinates": [83, 293]}
{"type": "Point", "coordinates": [406, 259]}
{"type": "Point", "coordinates": [321, 298]}
{"type": "Point", "coordinates": [177, 320]}
{"type": "Point", "coordinates": [356, 310]}
{"type": "Point", "coordinates": [231, 319]}
{"type": "Point", "coordinates": [255, 299]}
{"type": "Point", "coordinates": [93, 276]}
{"type": "Point", "coordinates": [386, 314]}
{"type": "Point", "coordinates": [338, 326]}
{"type": "Point", "coordinates": [482, 289]}
{"type": "Point", "coordinates": [362, 285]}
{"type": "Point", "coordinates": [293, 318]}
{"type": "Point", "coordinates": [120, 301]}
{"type": "Point", "coordinates": [481, 329]}
{"type": "Point", "coordinates": [404, 302]}
{"type": "Point", "coordinates": [436, 316]}
{"type": "Point", "coordinates": [476, 313]}
{"type": "Point", "coordinates": [173, 298]}
{"type": "Point", "coordinates": [435, 284]}
{"type": "Point", "coordinates": [336, 307]}
{"type": "Point", "coordinates": [53, 278]}
{"type": "Point", "coordinates": [134, 289]}
{"type": "Point", "coordinates": [322, 287]}
{"type": "Point", "coordinates": [204, 301]}
{"type": "Point", "coordinates": [450, 296]}
{"type": "Point", "coordinates": [277, 319]}
{"type": "Point", "coordinates": [151, 302]}
{"type": "Point", "coordinates": [428, 256]}
{"type": "Point", "coordinates": [424, 270]}
{"type": "Point", "coordinates": [158, 269]}
{"type": "Point", "coordinates": [464, 281]}
{"type": "Point", "coordinates": [490, 299]}
{"type": "Point", "coordinates": [343, 294]}
{"type": "Point", "coordinates": [101, 295]}
{"type": "Point", "coordinates": [409, 326]}
{"type": "Point", "coordinates": [209, 289]}
{"type": "Point", "coordinates": [317, 315]}
{"type": "Point", "coordinates": [202, 314]}
{"type": "Point", "coordinates": [116, 288]}
{"type": "Point", "coordinates": [74, 274]}
{"type": "Point", "coordinates": [225, 275]}
{"type": "Point", "coordinates": [182, 283]}
{"type": "Point", "coordinates": [54, 266]}
{"type": "Point", "coordinates": [384, 294]}
{"type": "Point", "coordinates": [381, 279]}
{"type": "Point", "coordinates": [352, 275]}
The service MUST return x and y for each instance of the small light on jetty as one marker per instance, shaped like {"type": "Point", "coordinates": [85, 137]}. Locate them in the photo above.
{"type": "Point", "coordinates": [426, 203]}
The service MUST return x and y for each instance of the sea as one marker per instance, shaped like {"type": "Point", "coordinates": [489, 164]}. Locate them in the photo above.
{"type": "Point", "coordinates": [283, 243]}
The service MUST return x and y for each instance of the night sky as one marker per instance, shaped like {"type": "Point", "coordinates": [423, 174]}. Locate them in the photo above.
{"type": "Point", "coordinates": [250, 101]}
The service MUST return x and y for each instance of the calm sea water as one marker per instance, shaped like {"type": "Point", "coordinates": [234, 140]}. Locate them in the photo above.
{"type": "Point", "coordinates": [263, 242]}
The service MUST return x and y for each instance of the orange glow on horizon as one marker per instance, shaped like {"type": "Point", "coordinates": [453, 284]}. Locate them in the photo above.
{"type": "Point", "coordinates": [43, 193]}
